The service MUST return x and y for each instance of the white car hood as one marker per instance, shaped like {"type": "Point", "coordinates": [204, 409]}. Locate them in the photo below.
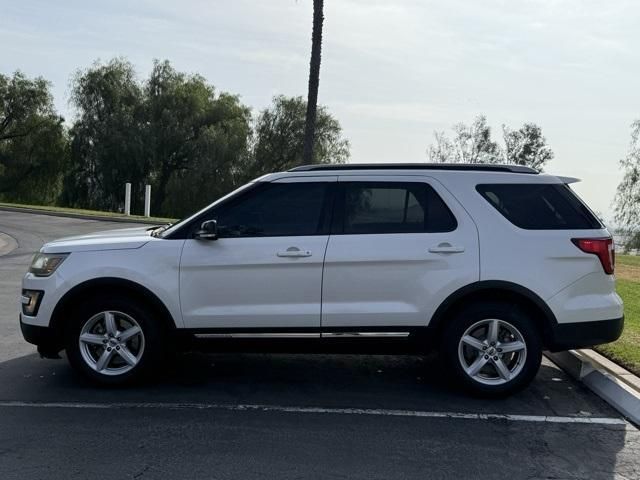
{"type": "Point", "coordinates": [122, 238]}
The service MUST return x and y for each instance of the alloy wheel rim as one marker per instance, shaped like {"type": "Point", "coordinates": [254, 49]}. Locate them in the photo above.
{"type": "Point", "coordinates": [492, 352]}
{"type": "Point", "coordinates": [111, 343]}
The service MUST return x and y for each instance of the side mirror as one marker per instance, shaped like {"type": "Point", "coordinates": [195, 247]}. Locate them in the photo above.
{"type": "Point", "coordinates": [208, 231]}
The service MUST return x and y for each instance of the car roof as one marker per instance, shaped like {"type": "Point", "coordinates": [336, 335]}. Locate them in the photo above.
{"type": "Point", "coordinates": [467, 167]}
{"type": "Point", "coordinates": [460, 173]}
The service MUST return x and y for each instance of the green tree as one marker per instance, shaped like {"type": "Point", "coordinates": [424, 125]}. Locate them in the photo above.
{"type": "Point", "coordinates": [107, 148]}
{"type": "Point", "coordinates": [33, 141]}
{"type": "Point", "coordinates": [314, 82]}
{"type": "Point", "coordinates": [176, 133]}
{"type": "Point", "coordinates": [627, 199]}
{"type": "Point", "coordinates": [195, 138]}
{"type": "Point", "coordinates": [473, 144]}
{"type": "Point", "coordinates": [442, 150]}
{"type": "Point", "coordinates": [171, 131]}
{"type": "Point", "coordinates": [278, 137]}
{"type": "Point", "coordinates": [526, 146]}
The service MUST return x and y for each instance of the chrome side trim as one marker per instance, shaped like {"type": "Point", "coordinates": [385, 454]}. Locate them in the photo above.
{"type": "Point", "coordinates": [257, 335]}
{"type": "Point", "coordinates": [365, 334]}
{"type": "Point", "coordinates": [305, 335]}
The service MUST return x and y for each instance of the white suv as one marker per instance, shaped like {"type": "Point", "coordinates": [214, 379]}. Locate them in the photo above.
{"type": "Point", "coordinates": [490, 264]}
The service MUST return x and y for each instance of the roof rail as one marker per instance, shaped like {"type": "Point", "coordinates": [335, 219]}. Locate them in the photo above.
{"type": "Point", "coordinates": [470, 167]}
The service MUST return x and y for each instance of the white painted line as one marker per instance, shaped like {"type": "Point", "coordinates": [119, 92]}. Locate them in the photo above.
{"type": "Point", "coordinates": [321, 410]}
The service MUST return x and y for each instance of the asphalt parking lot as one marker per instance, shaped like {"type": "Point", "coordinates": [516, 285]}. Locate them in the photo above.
{"type": "Point", "coordinates": [245, 416]}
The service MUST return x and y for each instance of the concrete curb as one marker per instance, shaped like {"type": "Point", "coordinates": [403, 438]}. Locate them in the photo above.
{"type": "Point", "coordinates": [615, 385]}
{"type": "Point", "coordinates": [7, 243]}
{"type": "Point", "coordinates": [100, 218]}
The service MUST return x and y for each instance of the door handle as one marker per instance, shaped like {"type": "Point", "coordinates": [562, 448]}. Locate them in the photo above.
{"type": "Point", "coordinates": [294, 252]}
{"type": "Point", "coordinates": [446, 248]}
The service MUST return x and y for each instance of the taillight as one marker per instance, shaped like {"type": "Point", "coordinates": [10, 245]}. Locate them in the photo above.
{"type": "Point", "coordinates": [602, 247]}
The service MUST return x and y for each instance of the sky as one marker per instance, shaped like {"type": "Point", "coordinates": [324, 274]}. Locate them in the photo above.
{"type": "Point", "coordinates": [393, 72]}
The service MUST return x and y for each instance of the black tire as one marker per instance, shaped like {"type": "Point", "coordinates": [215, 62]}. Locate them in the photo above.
{"type": "Point", "coordinates": [151, 356]}
{"type": "Point", "coordinates": [469, 316]}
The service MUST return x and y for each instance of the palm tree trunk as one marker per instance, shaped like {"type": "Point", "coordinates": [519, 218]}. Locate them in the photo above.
{"type": "Point", "coordinates": [314, 81]}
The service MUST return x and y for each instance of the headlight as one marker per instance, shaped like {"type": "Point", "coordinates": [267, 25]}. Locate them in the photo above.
{"type": "Point", "coordinates": [44, 264]}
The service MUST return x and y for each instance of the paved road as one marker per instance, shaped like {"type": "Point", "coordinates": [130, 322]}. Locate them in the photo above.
{"type": "Point", "coordinates": [29, 232]}
{"type": "Point", "coordinates": [250, 416]}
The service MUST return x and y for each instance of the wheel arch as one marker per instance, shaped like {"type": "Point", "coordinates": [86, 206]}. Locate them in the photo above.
{"type": "Point", "coordinates": [99, 286]}
{"type": "Point", "coordinates": [497, 290]}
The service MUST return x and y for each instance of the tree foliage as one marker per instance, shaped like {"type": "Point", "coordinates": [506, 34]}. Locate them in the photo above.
{"type": "Point", "coordinates": [171, 130]}
{"type": "Point", "coordinates": [176, 133]}
{"type": "Point", "coordinates": [33, 142]}
{"type": "Point", "coordinates": [473, 144]}
{"type": "Point", "coordinates": [526, 146]}
{"type": "Point", "coordinates": [168, 131]}
{"type": "Point", "coordinates": [108, 147]}
{"type": "Point", "coordinates": [279, 137]}
{"type": "Point", "coordinates": [627, 200]}
{"type": "Point", "coordinates": [194, 136]}
{"type": "Point", "coordinates": [470, 144]}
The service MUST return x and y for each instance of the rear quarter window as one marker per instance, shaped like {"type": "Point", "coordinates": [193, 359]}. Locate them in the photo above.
{"type": "Point", "coordinates": [540, 206]}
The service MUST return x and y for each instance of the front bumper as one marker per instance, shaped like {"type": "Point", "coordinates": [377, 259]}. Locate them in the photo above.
{"type": "Point", "coordinates": [48, 340]}
{"type": "Point", "coordinates": [567, 336]}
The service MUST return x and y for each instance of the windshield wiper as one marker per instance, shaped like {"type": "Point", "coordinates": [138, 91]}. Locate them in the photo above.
{"type": "Point", "coordinates": [156, 231]}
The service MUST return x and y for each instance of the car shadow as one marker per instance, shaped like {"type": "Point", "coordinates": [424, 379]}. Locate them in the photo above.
{"type": "Point", "coordinates": [409, 383]}
{"type": "Point", "coordinates": [395, 382]}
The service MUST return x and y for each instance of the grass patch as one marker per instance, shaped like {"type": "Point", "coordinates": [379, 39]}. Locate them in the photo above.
{"type": "Point", "coordinates": [92, 213]}
{"type": "Point", "coordinates": [628, 260]}
{"type": "Point", "coordinates": [626, 350]}
{"type": "Point", "coordinates": [628, 267]}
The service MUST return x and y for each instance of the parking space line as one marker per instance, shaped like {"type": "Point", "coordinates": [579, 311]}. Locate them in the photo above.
{"type": "Point", "coordinates": [319, 410]}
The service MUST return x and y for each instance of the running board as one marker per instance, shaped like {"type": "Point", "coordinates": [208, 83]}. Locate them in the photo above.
{"type": "Point", "coordinates": [298, 335]}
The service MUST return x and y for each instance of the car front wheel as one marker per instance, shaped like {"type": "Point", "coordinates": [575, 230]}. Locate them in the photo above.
{"type": "Point", "coordinates": [114, 341]}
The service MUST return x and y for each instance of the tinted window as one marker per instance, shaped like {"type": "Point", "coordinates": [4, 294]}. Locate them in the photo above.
{"type": "Point", "coordinates": [393, 207]}
{"type": "Point", "coordinates": [540, 206]}
{"type": "Point", "coordinates": [275, 209]}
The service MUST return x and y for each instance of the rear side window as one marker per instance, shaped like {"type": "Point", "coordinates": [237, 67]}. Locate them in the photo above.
{"type": "Point", "coordinates": [542, 206]}
{"type": "Point", "coordinates": [394, 207]}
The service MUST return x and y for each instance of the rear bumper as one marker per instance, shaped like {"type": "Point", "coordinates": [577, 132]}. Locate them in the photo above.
{"type": "Point", "coordinates": [566, 336]}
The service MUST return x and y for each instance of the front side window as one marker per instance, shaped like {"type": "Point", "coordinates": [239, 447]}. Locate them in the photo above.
{"type": "Point", "coordinates": [274, 210]}
{"type": "Point", "coordinates": [394, 207]}
{"type": "Point", "coordinates": [539, 206]}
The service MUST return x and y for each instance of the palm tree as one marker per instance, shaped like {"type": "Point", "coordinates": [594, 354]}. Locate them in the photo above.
{"type": "Point", "coordinates": [314, 81]}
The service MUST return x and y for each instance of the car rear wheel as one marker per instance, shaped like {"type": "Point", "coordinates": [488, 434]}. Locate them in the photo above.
{"type": "Point", "coordinates": [492, 349]}
{"type": "Point", "coordinates": [114, 341]}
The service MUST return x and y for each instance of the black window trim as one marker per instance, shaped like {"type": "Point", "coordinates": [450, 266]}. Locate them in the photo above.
{"type": "Point", "coordinates": [337, 224]}
{"type": "Point", "coordinates": [187, 231]}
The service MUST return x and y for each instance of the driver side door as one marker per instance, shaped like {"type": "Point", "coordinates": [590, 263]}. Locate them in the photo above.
{"type": "Point", "coordinates": [265, 269]}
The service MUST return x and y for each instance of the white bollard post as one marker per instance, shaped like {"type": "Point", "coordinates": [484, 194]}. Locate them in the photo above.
{"type": "Point", "coordinates": [147, 201]}
{"type": "Point", "coordinates": [127, 199]}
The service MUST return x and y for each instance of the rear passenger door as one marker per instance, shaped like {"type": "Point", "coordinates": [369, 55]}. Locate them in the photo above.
{"type": "Point", "coordinates": [398, 247]}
